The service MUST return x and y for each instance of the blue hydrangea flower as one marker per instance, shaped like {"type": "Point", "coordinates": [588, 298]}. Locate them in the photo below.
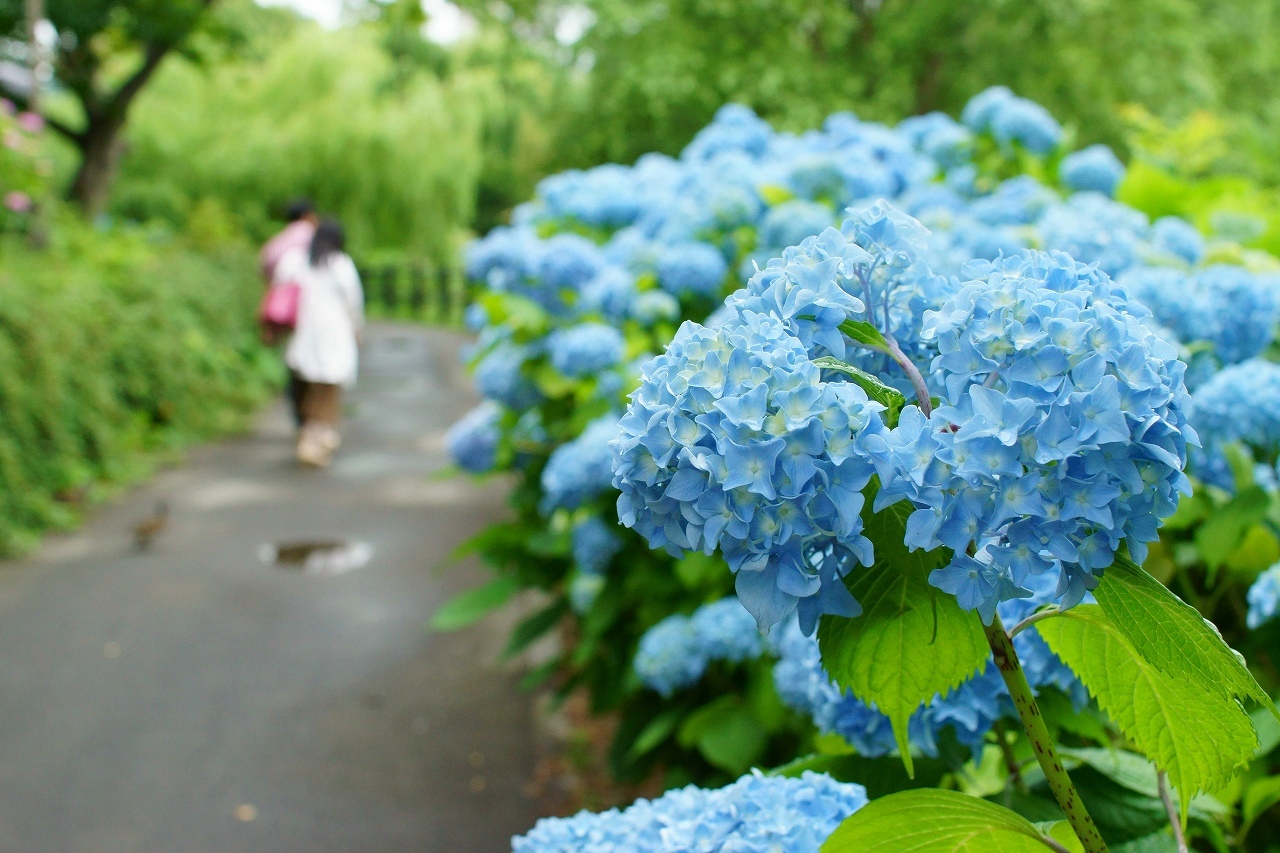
{"type": "Point", "coordinates": [1094, 229]}
{"type": "Point", "coordinates": [726, 631]}
{"type": "Point", "coordinates": [939, 137]}
{"type": "Point", "coordinates": [790, 222]}
{"type": "Point", "coordinates": [1026, 123]}
{"type": "Point", "coordinates": [692, 269]}
{"type": "Point", "coordinates": [1179, 238]}
{"type": "Point", "coordinates": [580, 470]}
{"type": "Point", "coordinates": [981, 109]}
{"type": "Point", "coordinates": [503, 257]}
{"type": "Point", "coordinates": [675, 653]}
{"type": "Point", "coordinates": [1229, 307]}
{"type": "Point", "coordinates": [734, 441]}
{"type": "Point", "coordinates": [584, 588]}
{"type": "Point", "coordinates": [1017, 201]}
{"type": "Point", "coordinates": [603, 197]}
{"type": "Point", "coordinates": [611, 293]}
{"type": "Point", "coordinates": [568, 261]}
{"type": "Point", "coordinates": [734, 128]}
{"type": "Point", "coordinates": [833, 277]}
{"type": "Point", "coordinates": [585, 349]}
{"type": "Point", "coordinates": [755, 813]}
{"type": "Point", "coordinates": [500, 376]}
{"type": "Point", "coordinates": [1264, 597]}
{"type": "Point", "coordinates": [1095, 168]}
{"type": "Point", "coordinates": [654, 306]}
{"type": "Point", "coordinates": [1065, 436]}
{"type": "Point", "coordinates": [1239, 404]}
{"type": "Point", "coordinates": [670, 655]}
{"type": "Point", "coordinates": [473, 440]}
{"type": "Point", "coordinates": [595, 544]}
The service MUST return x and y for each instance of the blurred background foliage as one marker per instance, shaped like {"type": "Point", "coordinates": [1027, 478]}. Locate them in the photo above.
{"type": "Point", "coordinates": [414, 144]}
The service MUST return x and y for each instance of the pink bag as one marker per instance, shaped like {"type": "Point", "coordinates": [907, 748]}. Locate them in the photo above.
{"type": "Point", "coordinates": [280, 305]}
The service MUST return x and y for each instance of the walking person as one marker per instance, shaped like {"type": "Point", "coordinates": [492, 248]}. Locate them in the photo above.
{"type": "Point", "coordinates": [302, 219]}
{"type": "Point", "coordinates": [323, 351]}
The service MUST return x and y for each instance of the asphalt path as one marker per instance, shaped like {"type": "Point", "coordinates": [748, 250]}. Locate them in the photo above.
{"type": "Point", "coordinates": [196, 698]}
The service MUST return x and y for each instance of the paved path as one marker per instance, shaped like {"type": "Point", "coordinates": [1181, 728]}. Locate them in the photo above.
{"type": "Point", "coordinates": [195, 699]}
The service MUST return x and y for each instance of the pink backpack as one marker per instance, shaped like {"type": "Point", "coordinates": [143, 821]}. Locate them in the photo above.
{"type": "Point", "coordinates": [280, 305]}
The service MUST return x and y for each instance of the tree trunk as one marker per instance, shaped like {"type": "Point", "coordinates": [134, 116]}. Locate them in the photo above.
{"type": "Point", "coordinates": [100, 147]}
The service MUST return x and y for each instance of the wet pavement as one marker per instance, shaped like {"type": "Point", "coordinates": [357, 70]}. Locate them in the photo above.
{"type": "Point", "coordinates": [195, 697]}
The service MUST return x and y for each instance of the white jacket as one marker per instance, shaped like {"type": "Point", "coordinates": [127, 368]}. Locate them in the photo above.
{"type": "Point", "coordinates": [330, 313]}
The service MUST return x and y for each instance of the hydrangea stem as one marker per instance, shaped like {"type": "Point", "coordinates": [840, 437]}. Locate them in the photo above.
{"type": "Point", "coordinates": [1038, 733]}
{"type": "Point", "coordinates": [913, 373]}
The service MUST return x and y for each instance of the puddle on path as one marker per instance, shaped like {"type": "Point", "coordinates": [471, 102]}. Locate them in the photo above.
{"type": "Point", "coordinates": [317, 557]}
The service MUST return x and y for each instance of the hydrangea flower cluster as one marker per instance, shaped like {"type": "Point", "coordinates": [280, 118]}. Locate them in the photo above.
{"type": "Point", "coordinates": [594, 544]}
{"type": "Point", "coordinates": [1239, 404]}
{"type": "Point", "coordinates": [677, 651]}
{"type": "Point", "coordinates": [473, 440]}
{"type": "Point", "coordinates": [755, 813]}
{"type": "Point", "coordinates": [692, 269]}
{"type": "Point", "coordinates": [970, 710]}
{"type": "Point", "coordinates": [1065, 435]}
{"type": "Point", "coordinates": [1095, 168]}
{"type": "Point", "coordinates": [1229, 307]}
{"type": "Point", "coordinates": [869, 270]}
{"type": "Point", "coordinates": [734, 441]}
{"type": "Point", "coordinates": [580, 470]}
{"type": "Point", "coordinates": [1264, 598]}
{"type": "Point", "coordinates": [585, 349]}
{"type": "Point", "coordinates": [500, 376]}
{"type": "Point", "coordinates": [1012, 119]}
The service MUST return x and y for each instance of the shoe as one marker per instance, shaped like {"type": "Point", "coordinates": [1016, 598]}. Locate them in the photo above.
{"type": "Point", "coordinates": [330, 439]}
{"type": "Point", "coordinates": [312, 450]}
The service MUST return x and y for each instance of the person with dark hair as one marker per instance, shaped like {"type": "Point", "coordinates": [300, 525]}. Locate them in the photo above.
{"type": "Point", "coordinates": [296, 235]}
{"type": "Point", "coordinates": [323, 352]}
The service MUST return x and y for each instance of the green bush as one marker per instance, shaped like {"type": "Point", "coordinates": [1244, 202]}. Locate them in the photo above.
{"type": "Point", "coordinates": [115, 347]}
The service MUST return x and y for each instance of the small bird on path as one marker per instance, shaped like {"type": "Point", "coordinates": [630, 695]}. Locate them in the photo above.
{"type": "Point", "coordinates": [147, 529]}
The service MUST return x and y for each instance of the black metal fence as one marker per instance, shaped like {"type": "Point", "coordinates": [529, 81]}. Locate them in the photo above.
{"type": "Point", "coordinates": [414, 290]}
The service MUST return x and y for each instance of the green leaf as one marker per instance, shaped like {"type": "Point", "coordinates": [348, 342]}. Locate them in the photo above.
{"type": "Point", "coordinates": [909, 644]}
{"type": "Point", "coordinates": [1157, 842]}
{"type": "Point", "coordinates": [1198, 736]}
{"type": "Point", "coordinates": [1136, 773]}
{"type": "Point", "coordinates": [1223, 530]}
{"type": "Point", "coordinates": [467, 607]}
{"type": "Point", "coordinates": [1258, 797]}
{"type": "Point", "coordinates": [862, 332]}
{"type": "Point", "coordinates": [533, 627]}
{"type": "Point", "coordinates": [889, 397]}
{"type": "Point", "coordinates": [1268, 729]}
{"type": "Point", "coordinates": [655, 732]}
{"type": "Point", "coordinates": [1172, 635]}
{"type": "Point", "coordinates": [540, 674]}
{"type": "Point", "coordinates": [726, 734]}
{"type": "Point", "coordinates": [934, 821]}
{"type": "Point", "coordinates": [774, 195]}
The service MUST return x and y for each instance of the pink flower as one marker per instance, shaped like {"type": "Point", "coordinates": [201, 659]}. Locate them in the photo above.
{"type": "Point", "coordinates": [18, 202]}
{"type": "Point", "coordinates": [31, 122]}
{"type": "Point", "coordinates": [13, 140]}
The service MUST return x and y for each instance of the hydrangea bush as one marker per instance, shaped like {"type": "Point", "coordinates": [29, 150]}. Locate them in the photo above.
{"type": "Point", "coordinates": [950, 368]}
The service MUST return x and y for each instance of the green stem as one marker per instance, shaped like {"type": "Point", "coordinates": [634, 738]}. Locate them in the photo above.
{"type": "Point", "coordinates": [1038, 733]}
{"type": "Point", "coordinates": [1162, 784]}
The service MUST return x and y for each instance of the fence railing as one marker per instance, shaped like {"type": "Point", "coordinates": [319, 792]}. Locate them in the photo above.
{"type": "Point", "coordinates": [414, 290]}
